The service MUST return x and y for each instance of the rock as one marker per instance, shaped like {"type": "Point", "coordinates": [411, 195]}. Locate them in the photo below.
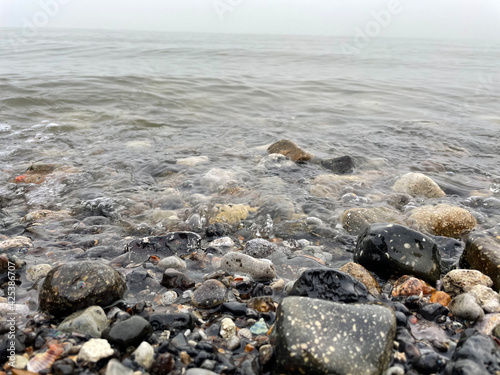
{"type": "Point", "coordinates": [428, 331]}
{"type": "Point", "coordinates": [173, 279]}
{"type": "Point", "coordinates": [130, 332]}
{"type": "Point", "coordinates": [116, 368]}
{"type": "Point", "coordinates": [259, 248]}
{"type": "Point", "coordinates": [227, 328]}
{"type": "Point", "coordinates": [314, 336]}
{"type": "Point", "coordinates": [392, 249]}
{"type": "Point", "coordinates": [360, 273]}
{"type": "Point", "coordinates": [144, 355]}
{"type": "Point", "coordinates": [440, 297]}
{"type": "Point", "coordinates": [356, 220]}
{"type": "Point", "coordinates": [217, 179]}
{"type": "Point", "coordinates": [487, 298]}
{"type": "Point", "coordinates": [92, 321]}
{"type": "Point", "coordinates": [443, 220]}
{"type": "Point", "coordinates": [482, 253]}
{"type": "Point", "coordinates": [341, 165]}
{"type": "Point", "coordinates": [276, 207]}
{"type": "Point", "coordinates": [258, 269]}
{"type": "Point", "coordinates": [193, 161]}
{"type": "Point", "coordinates": [199, 371]}
{"type": "Point", "coordinates": [172, 322]}
{"type": "Point", "coordinates": [330, 285]}
{"type": "Point", "coordinates": [465, 306]}
{"type": "Point", "coordinates": [218, 230]}
{"type": "Point", "coordinates": [276, 161]}
{"type": "Point", "coordinates": [410, 286]}
{"type": "Point", "coordinates": [76, 285]}
{"type": "Point", "coordinates": [94, 350]}
{"type": "Point", "coordinates": [331, 185]}
{"type": "Point", "coordinates": [173, 243]}
{"type": "Point", "coordinates": [229, 213]}
{"type": "Point", "coordinates": [163, 364]}
{"type": "Point", "coordinates": [173, 262]}
{"type": "Point", "coordinates": [290, 150]}
{"type": "Point", "coordinates": [265, 353]}
{"type": "Point", "coordinates": [222, 242]}
{"type": "Point", "coordinates": [35, 273]}
{"type": "Point", "coordinates": [15, 243]}
{"type": "Point", "coordinates": [259, 328]}
{"type": "Point", "coordinates": [418, 185]}
{"type": "Point", "coordinates": [210, 294]}
{"type": "Point", "coordinates": [461, 281]}
{"type": "Point", "coordinates": [46, 215]}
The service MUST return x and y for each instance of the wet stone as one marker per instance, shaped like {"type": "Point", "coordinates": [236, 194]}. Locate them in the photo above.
{"type": "Point", "coordinates": [130, 332]}
{"type": "Point", "coordinates": [92, 321]}
{"type": "Point", "coordinates": [162, 365]}
{"type": "Point", "coordinates": [210, 294]}
{"type": "Point", "coordinates": [290, 150]}
{"type": "Point", "coordinates": [174, 322]}
{"type": "Point", "coordinates": [330, 285]}
{"type": "Point", "coordinates": [461, 281]}
{"type": "Point", "coordinates": [418, 184]}
{"type": "Point", "coordinates": [465, 306]}
{"type": "Point", "coordinates": [174, 243]}
{"type": "Point", "coordinates": [314, 336]}
{"type": "Point", "coordinates": [340, 165]}
{"type": "Point", "coordinates": [276, 161]}
{"type": "Point", "coordinates": [360, 273]}
{"type": "Point", "coordinates": [35, 273]}
{"type": "Point", "coordinates": [115, 367]}
{"type": "Point", "coordinates": [94, 350]}
{"type": "Point", "coordinates": [259, 248]}
{"type": "Point", "coordinates": [392, 249]}
{"type": "Point", "coordinates": [77, 285]}
{"type": "Point", "coordinates": [15, 243]}
{"type": "Point", "coordinates": [487, 298]}
{"type": "Point", "coordinates": [174, 279]}
{"type": "Point", "coordinates": [229, 213]}
{"type": "Point", "coordinates": [258, 269]}
{"type": "Point", "coordinates": [410, 286]}
{"type": "Point", "coordinates": [172, 262]}
{"type": "Point", "coordinates": [144, 355]}
{"type": "Point", "coordinates": [356, 220]}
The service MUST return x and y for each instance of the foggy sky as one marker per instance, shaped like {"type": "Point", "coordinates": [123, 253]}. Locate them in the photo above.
{"type": "Point", "coordinates": [439, 19]}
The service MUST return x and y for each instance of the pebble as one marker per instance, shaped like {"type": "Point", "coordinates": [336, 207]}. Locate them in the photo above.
{"type": "Point", "coordinates": [20, 362]}
{"type": "Point", "coordinates": [259, 248]}
{"type": "Point", "coordinates": [46, 215]}
{"type": "Point", "coordinates": [410, 286]}
{"type": "Point", "coordinates": [171, 244]}
{"type": "Point", "coordinates": [360, 273]}
{"type": "Point", "coordinates": [229, 213]}
{"type": "Point", "coordinates": [222, 242]}
{"type": "Point", "coordinates": [289, 149]}
{"type": "Point", "coordinates": [341, 165]}
{"type": "Point", "coordinates": [210, 294]}
{"type": "Point", "coordinates": [461, 281]}
{"type": "Point", "coordinates": [315, 336]}
{"type": "Point", "coordinates": [173, 262]}
{"type": "Point", "coordinates": [116, 368]}
{"type": "Point", "coordinates": [443, 220]}
{"type": "Point", "coordinates": [418, 184]}
{"type": "Point", "coordinates": [130, 332]}
{"type": "Point", "coordinates": [233, 343]}
{"type": "Point", "coordinates": [163, 364]}
{"type": "Point", "coordinates": [356, 220]}
{"type": "Point", "coordinates": [488, 323]}
{"type": "Point", "coordinates": [332, 185]}
{"type": "Point", "coordinates": [440, 297]}
{"type": "Point", "coordinates": [199, 371]}
{"type": "Point", "coordinates": [259, 328]}
{"type": "Point", "coordinates": [174, 279]}
{"type": "Point", "coordinates": [193, 161]}
{"type": "Point", "coordinates": [227, 328]}
{"type": "Point", "coordinates": [76, 285]}
{"type": "Point", "coordinates": [265, 353]}
{"type": "Point", "coordinates": [144, 355]}
{"type": "Point", "coordinates": [94, 350]}
{"type": "Point", "coordinates": [465, 306]}
{"type": "Point", "coordinates": [258, 269]}
{"type": "Point", "coordinates": [35, 273]}
{"type": "Point", "coordinates": [92, 321]}
{"type": "Point", "coordinates": [392, 249]}
{"type": "Point", "coordinates": [173, 322]}
{"type": "Point", "coordinates": [276, 161]}
{"type": "Point", "coordinates": [487, 298]}
{"type": "Point", "coordinates": [17, 242]}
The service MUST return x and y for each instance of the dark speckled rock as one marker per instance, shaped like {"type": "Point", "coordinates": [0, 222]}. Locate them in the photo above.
{"type": "Point", "coordinates": [313, 336]}
{"type": "Point", "coordinates": [174, 243]}
{"type": "Point", "coordinates": [396, 250]}
{"type": "Point", "coordinates": [210, 294]}
{"type": "Point", "coordinates": [76, 285]}
{"type": "Point", "coordinates": [331, 285]}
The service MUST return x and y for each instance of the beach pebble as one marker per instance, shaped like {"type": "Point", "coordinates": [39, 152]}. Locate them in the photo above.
{"type": "Point", "coordinates": [259, 328]}
{"type": "Point", "coordinates": [410, 286]}
{"type": "Point", "coordinates": [163, 364]}
{"type": "Point", "coordinates": [173, 243]}
{"type": "Point", "coordinates": [465, 306]}
{"type": "Point", "coordinates": [265, 353]}
{"type": "Point", "coordinates": [487, 298]}
{"type": "Point", "coordinates": [315, 336]}
{"type": "Point", "coordinates": [418, 184]}
{"type": "Point", "coordinates": [217, 179]}
{"type": "Point", "coordinates": [38, 271]}
{"type": "Point", "coordinates": [199, 371]}
{"type": "Point", "coordinates": [258, 269]}
{"type": "Point", "coordinates": [443, 220]}
{"type": "Point", "coordinates": [193, 161]}
{"type": "Point", "coordinates": [259, 248]}
{"type": "Point", "coordinates": [210, 294]}
{"type": "Point", "coordinates": [173, 322]}
{"type": "Point", "coordinates": [173, 262]}
{"type": "Point", "coordinates": [332, 185]}
{"type": "Point", "coordinates": [229, 213]}
{"type": "Point", "coordinates": [94, 350]}
{"type": "Point", "coordinates": [461, 281]}
{"type": "Point", "coordinates": [392, 249]}
{"type": "Point", "coordinates": [76, 285]}
{"type": "Point", "coordinates": [340, 165]}
{"type": "Point", "coordinates": [356, 220]}
{"type": "Point", "coordinates": [114, 367]}
{"type": "Point", "coordinates": [174, 279]}
{"type": "Point", "coordinates": [276, 161]}
{"type": "Point", "coordinates": [289, 149]}
{"type": "Point", "coordinates": [222, 242]}
{"type": "Point", "coordinates": [130, 332]}
{"type": "Point", "coordinates": [360, 273]}
{"type": "Point", "coordinates": [233, 342]}
{"type": "Point", "coordinates": [20, 361]}
{"type": "Point", "coordinates": [92, 321]}
{"type": "Point", "coordinates": [14, 243]}
{"type": "Point", "coordinates": [440, 297]}
{"type": "Point", "coordinates": [488, 323]}
{"type": "Point", "coordinates": [46, 215]}
{"type": "Point", "coordinates": [144, 355]}
{"type": "Point", "coordinates": [227, 328]}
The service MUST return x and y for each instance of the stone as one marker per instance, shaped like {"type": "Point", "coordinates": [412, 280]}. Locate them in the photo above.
{"type": "Point", "coordinates": [356, 220]}
{"type": "Point", "coordinates": [116, 368]}
{"type": "Point", "coordinates": [440, 297]}
{"type": "Point", "coordinates": [130, 332]}
{"type": "Point", "coordinates": [144, 355]}
{"type": "Point", "coordinates": [487, 298]}
{"type": "Point", "coordinates": [465, 306]}
{"type": "Point", "coordinates": [418, 185]}
{"type": "Point", "coordinates": [259, 328]}
{"type": "Point", "coordinates": [396, 250]}
{"type": "Point", "coordinates": [76, 285]}
{"type": "Point", "coordinates": [461, 281]}
{"type": "Point", "coordinates": [314, 336]}
{"type": "Point", "coordinates": [15, 243]}
{"type": "Point", "coordinates": [174, 279]}
{"type": "Point", "coordinates": [95, 350]}
{"type": "Point", "coordinates": [265, 353]}
{"type": "Point", "coordinates": [229, 213]}
{"type": "Point", "coordinates": [173, 243]}
{"type": "Point", "coordinates": [410, 286]}
{"type": "Point", "coordinates": [258, 269]}
{"type": "Point", "coordinates": [259, 248]}
{"type": "Point", "coordinates": [163, 364]}
{"type": "Point", "coordinates": [38, 216]}
{"type": "Point", "coordinates": [330, 285]}
{"type": "Point", "coordinates": [482, 253]}
{"type": "Point", "coordinates": [331, 185]}
{"type": "Point", "coordinates": [290, 150]}
{"type": "Point", "coordinates": [217, 179]}
{"type": "Point", "coordinates": [276, 161]}
{"type": "Point", "coordinates": [443, 220]}
{"type": "Point", "coordinates": [20, 362]}
{"type": "Point", "coordinates": [360, 273]}
{"type": "Point", "coordinates": [224, 242]}
{"type": "Point", "coordinates": [276, 207]}
{"type": "Point", "coordinates": [173, 322]}
{"type": "Point", "coordinates": [35, 273]}
{"type": "Point", "coordinates": [488, 323]}
{"type": "Point", "coordinates": [210, 294]}
{"type": "Point", "coordinates": [199, 371]}
{"type": "Point", "coordinates": [173, 262]}
{"type": "Point", "coordinates": [92, 321]}
{"type": "Point", "coordinates": [193, 161]}
{"type": "Point", "coordinates": [227, 328]}
{"type": "Point", "coordinates": [340, 165]}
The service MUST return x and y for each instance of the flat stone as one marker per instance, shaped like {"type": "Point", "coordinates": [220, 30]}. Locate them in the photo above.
{"type": "Point", "coordinates": [193, 161]}
{"type": "Point", "coordinates": [76, 285]}
{"type": "Point", "coordinates": [443, 220]}
{"type": "Point", "coordinates": [356, 220]}
{"type": "Point", "coordinates": [130, 332]}
{"type": "Point", "coordinates": [465, 306]}
{"type": "Point", "coordinates": [396, 250]}
{"type": "Point", "coordinates": [259, 248]}
{"type": "Point", "coordinates": [314, 336]}
{"type": "Point", "coordinates": [461, 281]}
{"type": "Point", "coordinates": [290, 150]}
{"type": "Point", "coordinates": [35, 273]}
{"type": "Point", "coordinates": [258, 269]}
{"type": "Point", "coordinates": [94, 350]}
{"type": "Point", "coordinates": [174, 322]}
{"type": "Point", "coordinates": [144, 355]}
{"type": "Point", "coordinates": [91, 321]}
{"type": "Point", "coordinates": [15, 243]}
{"type": "Point", "coordinates": [38, 216]}
{"type": "Point", "coordinates": [360, 273]}
{"type": "Point", "coordinates": [418, 185]}
{"type": "Point", "coordinates": [116, 368]}
{"type": "Point", "coordinates": [210, 294]}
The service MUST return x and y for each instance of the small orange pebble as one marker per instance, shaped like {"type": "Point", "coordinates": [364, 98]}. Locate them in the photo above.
{"type": "Point", "coordinates": [20, 178]}
{"type": "Point", "coordinates": [409, 286]}
{"type": "Point", "coordinates": [249, 348]}
{"type": "Point", "coordinates": [413, 319]}
{"type": "Point", "coordinates": [440, 297]}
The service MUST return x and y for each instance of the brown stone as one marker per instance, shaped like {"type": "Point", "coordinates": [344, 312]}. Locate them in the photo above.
{"type": "Point", "coordinates": [418, 184]}
{"type": "Point", "coordinates": [355, 220]}
{"type": "Point", "coordinates": [290, 150]}
{"type": "Point", "coordinates": [441, 298]}
{"type": "Point", "coordinates": [360, 273]}
{"type": "Point", "coordinates": [410, 286]}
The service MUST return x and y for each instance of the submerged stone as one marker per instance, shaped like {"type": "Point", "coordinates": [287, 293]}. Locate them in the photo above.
{"type": "Point", "coordinates": [259, 248]}
{"type": "Point", "coordinates": [356, 220]}
{"type": "Point", "coordinates": [229, 213]}
{"type": "Point", "coordinates": [418, 185]}
{"type": "Point", "coordinates": [174, 243]}
{"type": "Point", "coordinates": [313, 336]}
{"type": "Point", "coordinates": [76, 285]}
{"type": "Point", "coordinates": [290, 150]}
{"type": "Point", "coordinates": [340, 165]}
{"type": "Point", "coordinates": [392, 249]}
{"type": "Point", "coordinates": [258, 269]}
{"type": "Point", "coordinates": [210, 294]}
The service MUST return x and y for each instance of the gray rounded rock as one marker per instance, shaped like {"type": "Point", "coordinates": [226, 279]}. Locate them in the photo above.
{"type": "Point", "coordinates": [210, 294]}
{"type": "Point", "coordinates": [92, 321]}
{"type": "Point", "coordinates": [460, 281]}
{"type": "Point", "coordinates": [34, 273]}
{"type": "Point", "coordinates": [259, 248]}
{"type": "Point", "coordinates": [173, 262]}
{"type": "Point", "coordinates": [465, 306]}
{"type": "Point", "coordinates": [258, 269]}
{"type": "Point", "coordinates": [418, 184]}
